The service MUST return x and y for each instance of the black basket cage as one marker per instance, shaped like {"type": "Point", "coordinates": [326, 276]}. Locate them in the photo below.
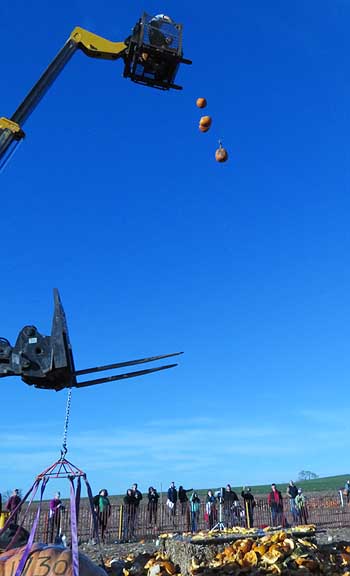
{"type": "Point", "coordinates": [161, 32]}
{"type": "Point", "coordinates": [154, 52]}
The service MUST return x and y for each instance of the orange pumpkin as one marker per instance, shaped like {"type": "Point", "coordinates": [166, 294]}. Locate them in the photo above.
{"type": "Point", "coordinates": [221, 154]}
{"type": "Point", "coordinates": [47, 560]}
{"type": "Point", "coordinates": [201, 102]}
{"type": "Point", "coordinates": [205, 121]}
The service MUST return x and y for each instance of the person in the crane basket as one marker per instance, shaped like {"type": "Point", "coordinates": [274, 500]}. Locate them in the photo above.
{"type": "Point", "coordinates": [156, 31]}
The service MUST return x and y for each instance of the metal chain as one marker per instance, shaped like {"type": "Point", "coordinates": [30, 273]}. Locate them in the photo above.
{"type": "Point", "coordinates": [66, 422]}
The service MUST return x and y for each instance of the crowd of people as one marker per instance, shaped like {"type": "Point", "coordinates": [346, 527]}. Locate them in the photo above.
{"type": "Point", "coordinates": [225, 507]}
{"type": "Point", "coordinates": [221, 508]}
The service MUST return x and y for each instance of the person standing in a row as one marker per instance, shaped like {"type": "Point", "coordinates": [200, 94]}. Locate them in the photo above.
{"type": "Point", "coordinates": [249, 505]}
{"type": "Point", "coordinates": [300, 504]}
{"type": "Point", "coordinates": [54, 525]}
{"type": "Point", "coordinates": [183, 498]}
{"type": "Point", "coordinates": [172, 499]}
{"type": "Point", "coordinates": [275, 501]}
{"type": "Point", "coordinates": [12, 504]}
{"type": "Point", "coordinates": [231, 502]}
{"type": "Point", "coordinates": [103, 510]}
{"type": "Point", "coordinates": [152, 505]}
{"type": "Point", "coordinates": [129, 511]}
{"type": "Point", "coordinates": [292, 491]}
{"type": "Point", "coordinates": [136, 494]}
{"type": "Point", "coordinates": [195, 504]}
{"type": "Point", "coordinates": [210, 509]}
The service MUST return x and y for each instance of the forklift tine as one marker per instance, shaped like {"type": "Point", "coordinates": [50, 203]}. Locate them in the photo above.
{"type": "Point", "coordinates": [62, 354]}
{"type": "Point", "coordinates": [123, 364]}
{"type": "Point", "coordinates": [122, 376]}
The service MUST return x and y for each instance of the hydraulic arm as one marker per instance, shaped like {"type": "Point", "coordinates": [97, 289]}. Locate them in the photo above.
{"type": "Point", "coordinates": [146, 61]}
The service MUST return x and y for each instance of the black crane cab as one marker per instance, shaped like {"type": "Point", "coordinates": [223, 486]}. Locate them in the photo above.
{"type": "Point", "coordinates": [154, 52]}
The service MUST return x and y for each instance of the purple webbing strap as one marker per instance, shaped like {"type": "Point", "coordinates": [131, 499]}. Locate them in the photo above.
{"type": "Point", "coordinates": [77, 498]}
{"type": "Point", "coordinates": [29, 544]}
{"type": "Point", "coordinates": [33, 489]}
{"type": "Point", "coordinates": [94, 518]}
{"type": "Point", "coordinates": [74, 530]}
{"type": "Point", "coordinates": [93, 511]}
{"type": "Point", "coordinates": [8, 521]}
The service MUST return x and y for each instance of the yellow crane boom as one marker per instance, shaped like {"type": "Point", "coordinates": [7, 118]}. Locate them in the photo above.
{"type": "Point", "coordinates": [148, 60]}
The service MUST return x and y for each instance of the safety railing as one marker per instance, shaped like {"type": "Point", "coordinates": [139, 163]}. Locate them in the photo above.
{"type": "Point", "coordinates": [136, 523]}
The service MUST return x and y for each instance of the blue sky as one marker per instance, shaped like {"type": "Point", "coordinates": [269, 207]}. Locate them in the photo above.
{"type": "Point", "coordinates": [115, 198]}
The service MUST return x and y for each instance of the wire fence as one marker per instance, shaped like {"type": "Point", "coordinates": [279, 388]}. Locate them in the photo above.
{"type": "Point", "coordinates": [130, 523]}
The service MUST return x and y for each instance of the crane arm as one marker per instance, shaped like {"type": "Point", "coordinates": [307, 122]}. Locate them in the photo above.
{"type": "Point", "coordinates": [96, 46]}
{"type": "Point", "coordinates": [91, 44]}
{"type": "Point", "coordinates": [151, 57]}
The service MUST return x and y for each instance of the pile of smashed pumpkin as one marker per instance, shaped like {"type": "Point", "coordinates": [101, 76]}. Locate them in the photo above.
{"type": "Point", "coordinates": [276, 552]}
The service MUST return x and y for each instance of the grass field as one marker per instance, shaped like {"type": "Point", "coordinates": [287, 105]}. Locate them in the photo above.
{"type": "Point", "coordinates": [330, 484]}
{"type": "Point", "coordinates": [326, 484]}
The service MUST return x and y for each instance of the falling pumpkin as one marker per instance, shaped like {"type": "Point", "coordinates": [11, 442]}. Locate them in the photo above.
{"type": "Point", "coordinates": [205, 121]}
{"type": "Point", "coordinates": [201, 102]}
{"type": "Point", "coordinates": [221, 154]}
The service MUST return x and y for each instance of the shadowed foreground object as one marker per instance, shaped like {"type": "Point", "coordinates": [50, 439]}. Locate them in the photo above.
{"type": "Point", "coordinates": [58, 561]}
{"type": "Point", "coordinates": [47, 361]}
{"type": "Point", "coordinates": [7, 536]}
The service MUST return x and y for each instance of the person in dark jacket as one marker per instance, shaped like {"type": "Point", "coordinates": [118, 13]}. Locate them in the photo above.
{"type": "Point", "coordinates": [137, 494]}
{"type": "Point", "coordinates": [172, 500]}
{"type": "Point", "coordinates": [183, 499]}
{"type": "Point", "coordinates": [249, 505]}
{"type": "Point", "coordinates": [292, 492]}
{"type": "Point", "coordinates": [129, 511]}
{"type": "Point", "coordinates": [210, 509]}
{"type": "Point", "coordinates": [138, 497]}
{"type": "Point", "coordinates": [12, 504]}
{"type": "Point", "coordinates": [230, 504]}
{"type": "Point", "coordinates": [152, 505]}
{"type": "Point", "coordinates": [275, 501]}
